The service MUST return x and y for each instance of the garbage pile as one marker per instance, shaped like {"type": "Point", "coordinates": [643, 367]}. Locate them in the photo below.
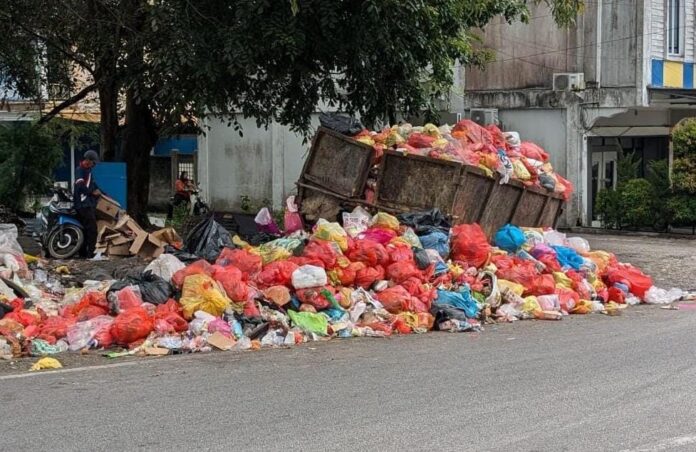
{"type": "Point", "coordinates": [371, 276]}
{"type": "Point", "coordinates": [469, 143]}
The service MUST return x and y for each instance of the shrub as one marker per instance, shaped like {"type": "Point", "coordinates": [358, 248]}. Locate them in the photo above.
{"type": "Point", "coordinates": [684, 139]}
{"type": "Point", "coordinates": [638, 201]}
{"type": "Point", "coordinates": [609, 209]}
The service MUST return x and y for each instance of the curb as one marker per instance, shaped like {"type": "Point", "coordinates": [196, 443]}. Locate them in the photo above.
{"type": "Point", "coordinates": [600, 231]}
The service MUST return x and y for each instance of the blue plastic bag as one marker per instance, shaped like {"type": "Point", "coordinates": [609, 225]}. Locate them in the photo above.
{"type": "Point", "coordinates": [568, 257]}
{"type": "Point", "coordinates": [510, 238]}
{"type": "Point", "coordinates": [461, 300]}
{"type": "Point", "coordinates": [438, 241]}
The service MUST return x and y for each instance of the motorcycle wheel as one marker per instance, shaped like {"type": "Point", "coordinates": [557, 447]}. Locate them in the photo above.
{"type": "Point", "coordinates": [65, 242]}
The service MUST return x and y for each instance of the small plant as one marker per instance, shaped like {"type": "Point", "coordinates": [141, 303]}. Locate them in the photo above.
{"type": "Point", "coordinates": [180, 216]}
{"type": "Point", "coordinates": [246, 204]}
{"type": "Point", "coordinates": [637, 200]}
{"type": "Point", "coordinates": [609, 209]}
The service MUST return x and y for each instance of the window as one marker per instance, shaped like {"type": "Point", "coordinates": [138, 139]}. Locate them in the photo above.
{"type": "Point", "coordinates": [675, 29]}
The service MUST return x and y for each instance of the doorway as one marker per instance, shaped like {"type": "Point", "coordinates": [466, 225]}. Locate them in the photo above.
{"type": "Point", "coordinates": [604, 176]}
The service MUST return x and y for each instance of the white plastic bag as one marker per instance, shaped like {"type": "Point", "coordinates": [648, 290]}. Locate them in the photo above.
{"type": "Point", "coordinates": [655, 295]}
{"type": "Point", "coordinates": [356, 222]}
{"type": "Point", "coordinates": [11, 253]}
{"type": "Point", "coordinates": [165, 266]}
{"type": "Point", "coordinates": [308, 276]}
{"type": "Point", "coordinates": [555, 238]}
{"type": "Point", "coordinates": [579, 244]}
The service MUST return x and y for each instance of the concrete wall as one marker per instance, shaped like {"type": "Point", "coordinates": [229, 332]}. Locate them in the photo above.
{"type": "Point", "coordinates": [263, 164]}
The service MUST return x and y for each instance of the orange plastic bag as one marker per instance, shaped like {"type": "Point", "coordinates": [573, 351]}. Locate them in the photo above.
{"type": "Point", "coordinates": [200, 267]}
{"type": "Point", "coordinates": [277, 273]}
{"type": "Point", "coordinates": [367, 276]}
{"type": "Point", "coordinates": [368, 252]}
{"type": "Point", "coordinates": [401, 271]}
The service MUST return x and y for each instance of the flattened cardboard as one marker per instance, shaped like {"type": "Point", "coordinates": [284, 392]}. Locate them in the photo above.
{"type": "Point", "coordinates": [107, 208]}
{"type": "Point", "coordinates": [118, 250]}
{"type": "Point", "coordinates": [220, 341]}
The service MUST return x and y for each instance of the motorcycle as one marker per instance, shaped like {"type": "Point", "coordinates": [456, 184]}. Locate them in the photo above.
{"type": "Point", "coordinates": [60, 232]}
{"type": "Point", "coordinates": [197, 205]}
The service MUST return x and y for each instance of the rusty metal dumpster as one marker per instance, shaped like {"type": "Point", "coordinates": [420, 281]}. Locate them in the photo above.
{"type": "Point", "coordinates": [409, 182]}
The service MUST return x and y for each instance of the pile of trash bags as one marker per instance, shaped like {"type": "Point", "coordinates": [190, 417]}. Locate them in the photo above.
{"type": "Point", "coordinates": [369, 276]}
{"type": "Point", "coordinates": [466, 142]}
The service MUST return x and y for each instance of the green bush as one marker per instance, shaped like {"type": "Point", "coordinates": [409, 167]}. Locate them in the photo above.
{"type": "Point", "coordinates": [638, 202]}
{"type": "Point", "coordinates": [684, 139]}
{"type": "Point", "coordinates": [28, 155]}
{"type": "Point", "coordinates": [683, 209]}
{"type": "Point", "coordinates": [609, 209]}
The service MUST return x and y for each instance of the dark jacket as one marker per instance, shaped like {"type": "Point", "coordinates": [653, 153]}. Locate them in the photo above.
{"type": "Point", "coordinates": [84, 188]}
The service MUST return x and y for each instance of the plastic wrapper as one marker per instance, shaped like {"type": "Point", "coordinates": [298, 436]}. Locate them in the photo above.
{"type": "Point", "coordinates": [356, 221]}
{"type": "Point", "coordinates": [165, 266]}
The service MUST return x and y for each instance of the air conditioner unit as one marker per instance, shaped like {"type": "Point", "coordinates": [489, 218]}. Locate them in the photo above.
{"type": "Point", "coordinates": [484, 116]}
{"type": "Point", "coordinates": [570, 81]}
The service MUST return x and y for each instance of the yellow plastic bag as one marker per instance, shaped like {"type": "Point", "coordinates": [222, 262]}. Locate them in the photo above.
{"type": "Point", "coordinates": [367, 140]}
{"type": "Point", "coordinates": [562, 280]}
{"type": "Point", "coordinates": [202, 293]}
{"type": "Point", "coordinates": [278, 249]}
{"type": "Point", "coordinates": [386, 221]}
{"type": "Point", "coordinates": [332, 232]}
{"type": "Point", "coordinates": [530, 305]}
{"type": "Point", "coordinates": [521, 171]}
{"type": "Point", "coordinates": [46, 363]}
{"type": "Point", "coordinates": [239, 243]}
{"type": "Point", "coordinates": [394, 138]}
{"type": "Point", "coordinates": [601, 259]}
{"type": "Point", "coordinates": [432, 130]}
{"type": "Point", "coordinates": [440, 143]}
{"type": "Point", "coordinates": [517, 289]}
{"type": "Point", "coordinates": [456, 270]}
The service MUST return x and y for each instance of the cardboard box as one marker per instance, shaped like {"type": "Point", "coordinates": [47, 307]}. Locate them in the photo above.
{"type": "Point", "coordinates": [220, 341]}
{"type": "Point", "coordinates": [118, 250]}
{"type": "Point", "coordinates": [146, 246]}
{"type": "Point", "coordinates": [121, 240]}
{"type": "Point", "coordinates": [167, 235]}
{"type": "Point", "coordinates": [107, 208]}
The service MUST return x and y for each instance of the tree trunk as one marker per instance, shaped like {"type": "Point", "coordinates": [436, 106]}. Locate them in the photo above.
{"type": "Point", "coordinates": [108, 107]}
{"type": "Point", "coordinates": [139, 136]}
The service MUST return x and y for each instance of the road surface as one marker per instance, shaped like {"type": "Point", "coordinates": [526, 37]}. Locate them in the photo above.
{"type": "Point", "coordinates": [585, 383]}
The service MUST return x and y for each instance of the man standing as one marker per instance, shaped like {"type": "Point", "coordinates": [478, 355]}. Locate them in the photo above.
{"type": "Point", "coordinates": [85, 196]}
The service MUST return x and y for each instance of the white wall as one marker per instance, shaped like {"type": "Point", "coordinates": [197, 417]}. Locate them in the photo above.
{"type": "Point", "coordinates": [261, 164]}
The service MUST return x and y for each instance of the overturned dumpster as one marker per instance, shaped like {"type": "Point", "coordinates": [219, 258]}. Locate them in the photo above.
{"type": "Point", "coordinates": [342, 172]}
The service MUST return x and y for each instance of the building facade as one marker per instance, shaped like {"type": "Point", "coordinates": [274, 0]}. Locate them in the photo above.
{"type": "Point", "coordinates": [613, 84]}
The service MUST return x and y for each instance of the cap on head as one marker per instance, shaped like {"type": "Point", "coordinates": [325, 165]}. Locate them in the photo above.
{"type": "Point", "coordinates": [92, 156]}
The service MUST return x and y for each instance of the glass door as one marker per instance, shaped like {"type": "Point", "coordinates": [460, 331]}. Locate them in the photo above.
{"type": "Point", "coordinates": [604, 177]}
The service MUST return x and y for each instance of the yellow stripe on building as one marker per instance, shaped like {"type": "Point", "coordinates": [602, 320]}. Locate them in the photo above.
{"type": "Point", "coordinates": [674, 74]}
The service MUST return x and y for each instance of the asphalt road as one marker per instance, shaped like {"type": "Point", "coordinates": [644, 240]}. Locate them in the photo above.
{"type": "Point", "coordinates": [585, 383]}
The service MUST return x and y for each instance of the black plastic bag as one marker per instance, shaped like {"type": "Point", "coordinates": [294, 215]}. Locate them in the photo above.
{"type": "Point", "coordinates": [207, 239]}
{"type": "Point", "coordinates": [183, 256]}
{"type": "Point", "coordinates": [153, 289]}
{"type": "Point", "coordinates": [444, 312]}
{"type": "Point", "coordinates": [421, 257]}
{"type": "Point", "coordinates": [4, 309]}
{"type": "Point", "coordinates": [547, 182]}
{"type": "Point", "coordinates": [341, 124]}
{"type": "Point", "coordinates": [425, 221]}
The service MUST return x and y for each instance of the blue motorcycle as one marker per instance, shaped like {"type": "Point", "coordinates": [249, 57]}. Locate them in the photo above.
{"type": "Point", "coordinates": [61, 233]}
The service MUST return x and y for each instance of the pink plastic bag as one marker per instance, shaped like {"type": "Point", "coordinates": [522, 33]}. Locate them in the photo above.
{"type": "Point", "coordinates": [292, 220]}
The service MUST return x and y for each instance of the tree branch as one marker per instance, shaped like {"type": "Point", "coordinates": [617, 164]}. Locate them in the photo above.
{"type": "Point", "coordinates": [68, 102]}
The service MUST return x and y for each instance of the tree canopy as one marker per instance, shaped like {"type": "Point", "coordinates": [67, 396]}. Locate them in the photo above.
{"type": "Point", "coordinates": [158, 64]}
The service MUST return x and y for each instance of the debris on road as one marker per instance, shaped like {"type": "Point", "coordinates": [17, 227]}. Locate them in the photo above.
{"type": "Point", "coordinates": [381, 275]}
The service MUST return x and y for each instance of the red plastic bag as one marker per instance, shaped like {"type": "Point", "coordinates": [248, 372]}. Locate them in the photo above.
{"type": "Point", "coordinates": [399, 252]}
{"type": "Point", "coordinates": [550, 261]}
{"type": "Point", "coordinates": [368, 252]}
{"type": "Point", "coordinates": [314, 297]}
{"type": "Point", "coordinates": [321, 251]}
{"type": "Point", "coordinates": [249, 263]}
{"type": "Point", "coordinates": [401, 271]}
{"type": "Point", "coordinates": [277, 273]}
{"type": "Point", "coordinates": [470, 245]}
{"type": "Point", "coordinates": [348, 274]}
{"type": "Point", "coordinates": [533, 151]}
{"type": "Point", "coordinates": [93, 304]}
{"type": "Point", "coordinates": [616, 295]}
{"type": "Point", "coordinates": [397, 299]}
{"type": "Point", "coordinates": [468, 131]}
{"type": "Point", "coordinates": [420, 140]}
{"type": "Point", "coordinates": [417, 289]}
{"type": "Point", "coordinates": [540, 285]}
{"type": "Point", "coordinates": [131, 326]}
{"type": "Point", "coordinates": [174, 319]}
{"type": "Point", "coordinates": [400, 326]}
{"type": "Point", "coordinates": [638, 282]}
{"type": "Point", "coordinates": [231, 279]}
{"type": "Point", "coordinates": [497, 135]}
{"type": "Point", "coordinates": [127, 298]}
{"type": "Point", "coordinates": [567, 298]}
{"type": "Point", "coordinates": [197, 268]}
{"type": "Point", "coordinates": [103, 337]}
{"type": "Point", "coordinates": [56, 326]}
{"type": "Point", "coordinates": [170, 306]}
{"type": "Point", "coordinates": [367, 276]}
{"type": "Point", "coordinates": [517, 270]}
